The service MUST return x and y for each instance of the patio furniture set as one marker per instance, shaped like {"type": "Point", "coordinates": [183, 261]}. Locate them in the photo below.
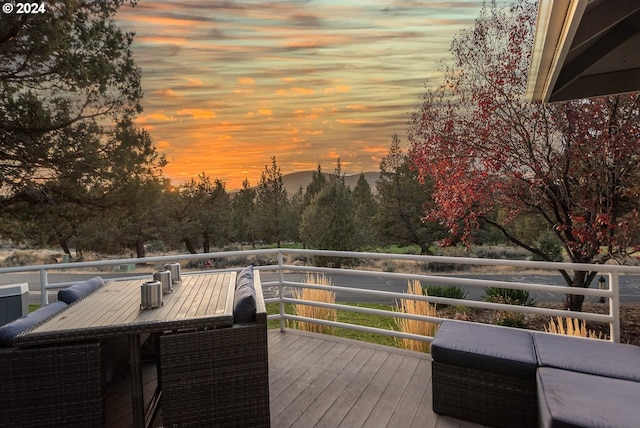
{"type": "Point", "coordinates": [505, 377]}
{"type": "Point", "coordinates": [209, 340]}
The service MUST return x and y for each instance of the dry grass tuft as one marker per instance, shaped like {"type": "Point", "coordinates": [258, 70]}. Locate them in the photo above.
{"type": "Point", "coordinates": [315, 295]}
{"type": "Point", "coordinates": [572, 327]}
{"type": "Point", "coordinates": [415, 307]}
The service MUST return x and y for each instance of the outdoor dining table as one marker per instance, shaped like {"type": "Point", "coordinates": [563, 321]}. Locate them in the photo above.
{"type": "Point", "coordinates": [200, 301]}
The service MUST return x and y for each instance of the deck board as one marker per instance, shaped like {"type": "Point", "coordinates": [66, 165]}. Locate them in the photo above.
{"type": "Point", "coordinates": [324, 381]}
{"type": "Point", "coordinates": [315, 396]}
{"type": "Point", "coordinates": [389, 400]}
{"type": "Point", "coordinates": [350, 383]}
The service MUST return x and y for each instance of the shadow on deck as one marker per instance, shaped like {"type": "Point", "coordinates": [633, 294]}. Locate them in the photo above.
{"type": "Point", "coordinates": [324, 381]}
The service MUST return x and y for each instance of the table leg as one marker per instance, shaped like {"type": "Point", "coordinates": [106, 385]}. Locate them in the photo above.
{"type": "Point", "coordinates": [137, 397]}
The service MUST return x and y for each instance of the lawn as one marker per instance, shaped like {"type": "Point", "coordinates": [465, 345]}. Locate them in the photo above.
{"type": "Point", "coordinates": [368, 320]}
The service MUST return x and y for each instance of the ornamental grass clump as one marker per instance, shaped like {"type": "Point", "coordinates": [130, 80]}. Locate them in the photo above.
{"type": "Point", "coordinates": [572, 327]}
{"type": "Point", "coordinates": [424, 328]}
{"type": "Point", "coordinates": [316, 312]}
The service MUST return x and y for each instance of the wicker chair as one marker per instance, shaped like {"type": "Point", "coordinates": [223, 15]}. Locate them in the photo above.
{"type": "Point", "coordinates": [217, 377]}
{"type": "Point", "coordinates": [51, 386]}
{"type": "Point", "coordinates": [60, 383]}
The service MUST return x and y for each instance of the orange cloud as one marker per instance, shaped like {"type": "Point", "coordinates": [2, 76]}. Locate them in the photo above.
{"type": "Point", "coordinates": [333, 154]}
{"type": "Point", "coordinates": [227, 126]}
{"type": "Point", "coordinates": [161, 21]}
{"type": "Point", "coordinates": [265, 112]}
{"type": "Point", "coordinates": [196, 113]}
{"type": "Point", "coordinates": [317, 41]}
{"type": "Point", "coordinates": [168, 93]}
{"type": "Point", "coordinates": [338, 89]}
{"type": "Point", "coordinates": [353, 121]}
{"type": "Point", "coordinates": [194, 83]}
{"type": "Point", "coordinates": [246, 81]}
{"type": "Point", "coordinates": [243, 91]}
{"type": "Point", "coordinates": [379, 149]}
{"type": "Point", "coordinates": [304, 44]}
{"type": "Point", "coordinates": [295, 91]}
{"type": "Point", "coordinates": [159, 40]}
{"type": "Point", "coordinates": [162, 145]}
{"type": "Point", "coordinates": [302, 114]}
{"type": "Point", "coordinates": [155, 117]}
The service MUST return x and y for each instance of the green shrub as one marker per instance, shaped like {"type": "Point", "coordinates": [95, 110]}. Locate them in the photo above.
{"type": "Point", "coordinates": [511, 319]}
{"type": "Point", "coordinates": [509, 296]}
{"type": "Point", "coordinates": [440, 267]}
{"type": "Point", "coordinates": [500, 252]}
{"type": "Point", "coordinates": [449, 291]}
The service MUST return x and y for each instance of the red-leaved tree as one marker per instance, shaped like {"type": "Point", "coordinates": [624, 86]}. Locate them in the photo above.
{"type": "Point", "coordinates": [575, 165]}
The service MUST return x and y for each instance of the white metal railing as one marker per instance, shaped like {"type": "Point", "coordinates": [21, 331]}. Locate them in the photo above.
{"type": "Point", "coordinates": [282, 269]}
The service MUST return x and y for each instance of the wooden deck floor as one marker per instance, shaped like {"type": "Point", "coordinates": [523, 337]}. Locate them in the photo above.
{"type": "Point", "coordinates": [323, 381]}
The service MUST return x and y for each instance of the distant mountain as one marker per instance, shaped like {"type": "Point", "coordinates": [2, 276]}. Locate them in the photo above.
{"type": "Point", "coordinates": [293, 181]}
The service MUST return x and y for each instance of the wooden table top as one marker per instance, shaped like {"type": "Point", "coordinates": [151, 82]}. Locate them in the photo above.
{"type": "Point", "coordinates": [199, 301]}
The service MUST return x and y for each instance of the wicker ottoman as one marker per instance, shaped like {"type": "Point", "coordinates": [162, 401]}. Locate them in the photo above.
{"type": "Point", "coordinates": [485, 374]}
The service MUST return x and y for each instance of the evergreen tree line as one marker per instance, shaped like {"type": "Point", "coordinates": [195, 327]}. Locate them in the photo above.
{"type": "Point", "coordinates": [202, 216]}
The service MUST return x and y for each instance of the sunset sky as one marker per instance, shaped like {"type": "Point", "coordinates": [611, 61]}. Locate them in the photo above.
{"type": "Point", "coordinates": [229, 84]}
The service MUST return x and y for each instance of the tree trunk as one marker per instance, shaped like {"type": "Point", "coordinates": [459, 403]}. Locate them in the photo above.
{"type": "Point", "coordinates": [65, 247]}
{"type": "Point", "coordinates": [140, 250]}
{"type": "Point", "coordinates": [206, 245]}
{"type": "Point", "coordinates": [573, 302]}
{"type": "Point", "coordinates": [424, 249]}
{"type": "Point", "coordinates": [190, 246]}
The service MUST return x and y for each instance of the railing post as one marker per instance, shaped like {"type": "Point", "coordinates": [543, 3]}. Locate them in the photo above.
{"type": "Point", "coordinates": [614, 305]}
{"type": "Point", "coordinates": [281, 288]}
{"type": "Point", "coordinates": [44, 297]}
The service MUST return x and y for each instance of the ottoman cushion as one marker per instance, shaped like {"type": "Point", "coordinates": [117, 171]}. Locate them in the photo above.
{"type": "Point", "coordinates": [569, 399]}
{"type": "Point", "coordinates": [503, 350]}
{"type": "Point", "coordinates": [591, 356]}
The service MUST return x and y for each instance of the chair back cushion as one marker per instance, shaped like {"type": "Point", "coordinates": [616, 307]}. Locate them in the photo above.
{"type": "Point", "coordinates": [80, 290]}
{"type": "Point", "coordinates": [8, 332]}
{"type": "Point", "coordinates": [245, 276]}
{"type": "Point", "coordinates": [244, 301]}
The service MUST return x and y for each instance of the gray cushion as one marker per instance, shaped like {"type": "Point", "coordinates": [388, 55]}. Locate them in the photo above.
{"type": "Point", "coordinates": [245, 276]}
{"type": "Point", "coordinates": [8, 332]}
{"type": "Point", "coordinates": [503, 350]}
{"type": "Point", "coordinates": [570, 399]}
{"type": "Point", "coordinates": [588, 355]}
{"type": "Point", "coordinates": [244, 305]}
{"type": "Point", "coordinates": [80, 290]}
{"type": "Point", "coordinates": [244, 301]}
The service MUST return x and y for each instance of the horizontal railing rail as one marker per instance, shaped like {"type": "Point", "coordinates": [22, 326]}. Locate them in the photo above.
{"type": "Point", "coordinates": [274, 261]}
{"type": "Point", "coordinates": [604, 318]}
